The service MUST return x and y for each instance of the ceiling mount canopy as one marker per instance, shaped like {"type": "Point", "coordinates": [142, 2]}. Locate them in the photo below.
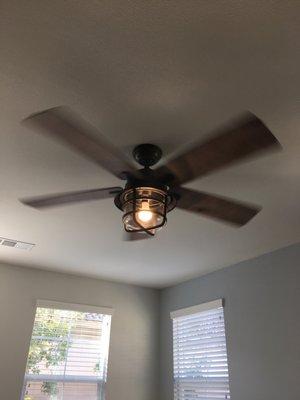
{"type": "Point", "coordinates": [147, 154]}
{"type": "Point", "coordinates": [149, 194]}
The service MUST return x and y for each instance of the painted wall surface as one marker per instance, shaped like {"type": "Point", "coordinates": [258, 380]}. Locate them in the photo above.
{"type": "Point", "coordinates": [262, 315]}
{"type": "Point", "coordinates": [133, 360]}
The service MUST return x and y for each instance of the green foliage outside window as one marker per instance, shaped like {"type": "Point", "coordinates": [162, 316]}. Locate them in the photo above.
{"type": "Point", "coordinates": [49, 345]}
{"type": "Point", "coordinates": [44, 349]}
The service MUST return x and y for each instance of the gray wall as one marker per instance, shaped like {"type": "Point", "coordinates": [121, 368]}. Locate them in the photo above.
{"type": "Point", "coordinates": [262, 315]}
{"type": "Point", "coordinates": [133, 357]}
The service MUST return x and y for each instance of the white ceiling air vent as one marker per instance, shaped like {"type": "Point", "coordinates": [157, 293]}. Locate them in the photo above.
{"type": "Point", "coordinates": [16, 243]}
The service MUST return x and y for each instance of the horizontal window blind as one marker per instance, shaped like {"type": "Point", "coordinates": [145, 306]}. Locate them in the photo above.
{"type": "Point", "coordinates": [68, 355]}
{"type": "Point", "coordinates": [199, 352]}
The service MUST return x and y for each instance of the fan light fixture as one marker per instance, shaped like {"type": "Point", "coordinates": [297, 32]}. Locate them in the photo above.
{"type": "Point", "coordinates": [145, 208]}
{"type": "Point", "coordinates": [149, 194]}
{"type": "Point", "coordinates": [144, 202]}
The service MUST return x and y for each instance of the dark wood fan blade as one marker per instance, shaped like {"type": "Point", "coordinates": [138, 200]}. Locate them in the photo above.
{"type": "Point", "coordinates": [60, 199]}
{"type": "Point", "coordinates": [246, 137]}
{"type": "Point", "coordinates": [214, 206]}
{"type": "Point", "coordinates": [133, 236]}
{"type": "Point", "coordinates": [64, 125]}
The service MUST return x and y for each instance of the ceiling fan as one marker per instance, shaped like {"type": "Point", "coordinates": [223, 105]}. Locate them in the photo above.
{"type": "Point", "coordinates": [149, 194]}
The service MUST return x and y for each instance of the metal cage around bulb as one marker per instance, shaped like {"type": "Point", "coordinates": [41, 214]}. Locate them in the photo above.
{"type": "Point", "coordinates": [144, 208]}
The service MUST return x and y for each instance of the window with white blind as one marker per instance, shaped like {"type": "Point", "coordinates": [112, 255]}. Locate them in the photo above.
{"type": "Point", "coordinates": [68, 353]}
{"type": "Point", "coordinates": [199, 352]}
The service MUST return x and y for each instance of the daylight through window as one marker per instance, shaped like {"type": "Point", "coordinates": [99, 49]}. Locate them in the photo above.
{"type": "Point", "coordinates": [199, 351]}
{"type": "Point", "coordinates": [68, 355]}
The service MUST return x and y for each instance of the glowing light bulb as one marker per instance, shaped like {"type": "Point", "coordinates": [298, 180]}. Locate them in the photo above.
{"type": "Point", "coordinates": [145, 215]}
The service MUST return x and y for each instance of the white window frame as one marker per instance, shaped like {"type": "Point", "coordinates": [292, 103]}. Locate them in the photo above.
{"type": "Point", "coordinates": [197, 309]}
{"type": "Point", "coordinates": [69, 307]}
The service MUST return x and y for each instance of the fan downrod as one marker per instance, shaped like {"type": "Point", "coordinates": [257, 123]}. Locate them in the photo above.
{"type": "Point", "coordinates": [147, 154]}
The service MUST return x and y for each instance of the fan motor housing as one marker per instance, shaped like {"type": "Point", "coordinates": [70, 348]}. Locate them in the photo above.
{"type": "Point", "coordinates": [145, 154]}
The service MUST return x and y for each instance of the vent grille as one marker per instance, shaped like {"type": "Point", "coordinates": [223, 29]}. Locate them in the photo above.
{"type": "Point", "coordinates": [8, 243]}
{"type": "Point", "coordinates": [16, 243]}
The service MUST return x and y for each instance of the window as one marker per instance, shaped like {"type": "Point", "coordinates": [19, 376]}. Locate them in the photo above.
{"type": "Point", "coordinates": [68, 353]}
{"type": "Point", "coordinates": [200, 356]}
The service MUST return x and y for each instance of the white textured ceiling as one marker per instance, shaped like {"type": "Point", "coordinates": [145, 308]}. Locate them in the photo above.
{"type": "Point", "coordinates": [147, 71]}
